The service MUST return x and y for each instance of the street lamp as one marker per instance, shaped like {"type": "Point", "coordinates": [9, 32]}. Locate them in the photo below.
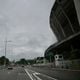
{"type": "Point", "coordinates": [6, 50]}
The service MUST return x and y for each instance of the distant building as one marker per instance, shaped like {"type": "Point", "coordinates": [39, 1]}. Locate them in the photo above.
{"type": "Point", "coordinates": [65, 24]}
{"type": "Point", "coordinates": [40, 60]}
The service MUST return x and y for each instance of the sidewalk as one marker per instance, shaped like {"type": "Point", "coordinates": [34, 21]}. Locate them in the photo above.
{"type": "Point", "coordinates": [64, 69]}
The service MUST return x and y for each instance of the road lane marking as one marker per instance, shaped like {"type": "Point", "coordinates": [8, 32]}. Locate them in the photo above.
{"type": "Point", "coordinates": [48, 77]}
{"type": "Point", "coordinates": [37, 76]}
{"type": "Point", "coordinates": [42, 74]}
{"type": "Point", "coordinates": [34, 75]}
{"type": "Point", "coordinates": [8, 72]}
{"type": "Point", "coordinates": [29, 74]}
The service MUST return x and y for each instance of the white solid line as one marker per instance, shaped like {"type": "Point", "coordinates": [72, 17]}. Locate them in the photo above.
{"type": "Point", "coordinates": [36, 76]}
{"type": "Point", "coordinates": [8, 72]}
{"type": "Point", "coordinates": [48, 76]}
{"type": "Point", "coordinates": [29, 74]}
{"type": "Point", "coordinates": [43, 75]}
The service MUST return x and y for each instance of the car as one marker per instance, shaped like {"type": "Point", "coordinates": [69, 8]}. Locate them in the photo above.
{"type": "Point", "coordinates": [10, 68]}
{"type": "Point", "coordinates": [23, 66]}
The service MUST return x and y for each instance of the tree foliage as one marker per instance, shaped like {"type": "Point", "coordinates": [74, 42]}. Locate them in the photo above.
{"type": "Point", "coordinates": [4, 60]}
{"type": "Point", "coordinates": [23, 61]}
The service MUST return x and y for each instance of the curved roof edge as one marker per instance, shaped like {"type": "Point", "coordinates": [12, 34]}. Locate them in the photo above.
{"type": "Point", "coordinates": [53, 46]}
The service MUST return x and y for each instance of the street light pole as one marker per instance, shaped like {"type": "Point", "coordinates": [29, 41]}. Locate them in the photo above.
{"type": "Point", "coordinates": [5, 52]}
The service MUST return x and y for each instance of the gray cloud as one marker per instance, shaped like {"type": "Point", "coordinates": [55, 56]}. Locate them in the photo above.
{"type": "Point", "coordinates": [26, 24]}
{"type": "Point", "coordinates": [77, 4]}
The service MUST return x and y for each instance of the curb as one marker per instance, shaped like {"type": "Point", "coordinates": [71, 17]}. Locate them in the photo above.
{"type": "Point", "coordinates": [65, 69]}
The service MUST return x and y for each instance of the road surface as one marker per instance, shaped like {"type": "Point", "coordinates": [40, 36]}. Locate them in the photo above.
{"type": "Point", "coordinates": [33, 73]}
{"type": "Point", "coordinates": [56, 74]}
{"type": "Point", "coordinates": [15, 74]}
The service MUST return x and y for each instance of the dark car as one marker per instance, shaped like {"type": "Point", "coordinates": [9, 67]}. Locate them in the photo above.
{"type": "Point", "coordinates": [10, 68]}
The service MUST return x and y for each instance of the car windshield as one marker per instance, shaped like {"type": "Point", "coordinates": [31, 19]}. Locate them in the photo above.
{"type": "Point", "coordinates": [39, 39]}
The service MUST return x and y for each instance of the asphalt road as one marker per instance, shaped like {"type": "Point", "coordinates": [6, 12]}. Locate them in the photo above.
{"type": "Point", "coordinates": [19, 73]}
{"type": "Point", "coordinates": [33, 73]}
{"type": "Point", "coordinates": [53, 74]}
{"type": "Point", "coordinates": [15, 74]}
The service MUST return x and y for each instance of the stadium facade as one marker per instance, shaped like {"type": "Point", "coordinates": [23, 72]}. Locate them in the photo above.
{"type": "Point", "coordinates": [65, 24]}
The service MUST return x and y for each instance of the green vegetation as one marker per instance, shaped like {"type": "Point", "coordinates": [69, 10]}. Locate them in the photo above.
{"type": "Point", "coordinates": [4, 60]}
{"type": "Point", "coordinates": [50, 57]}
{"type": "Point", "coordinates": [23, 61]}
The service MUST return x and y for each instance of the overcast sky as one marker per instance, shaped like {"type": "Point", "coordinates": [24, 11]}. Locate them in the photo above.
{"type": "Point", "coordinates": [77, 5]}
{"type": "Point", "coordinates": [26, 25]}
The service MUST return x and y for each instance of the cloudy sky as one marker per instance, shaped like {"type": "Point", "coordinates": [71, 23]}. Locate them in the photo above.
{"type": "Point", "coordinates": [26, 25]}
{"type": "Point", "coordinates": [77, 4]}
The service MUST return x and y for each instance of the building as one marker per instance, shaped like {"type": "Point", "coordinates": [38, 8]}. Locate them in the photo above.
{"type": "Point", "coordinates": [63, 19]}
{"type": "Point", "coordinates": [40, 60]}
{"type": "Point", "coordinates": [65, 24]}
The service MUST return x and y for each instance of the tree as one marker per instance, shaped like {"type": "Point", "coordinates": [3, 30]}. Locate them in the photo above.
{"type": "Point", "coordinates": [3, 59]}
{"type": "Point", "coordinates": [22, 61]}
{"type": "Point", "coordinates": [50, 56]}
{"type": "Point", "coordinates": [26, 62]}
